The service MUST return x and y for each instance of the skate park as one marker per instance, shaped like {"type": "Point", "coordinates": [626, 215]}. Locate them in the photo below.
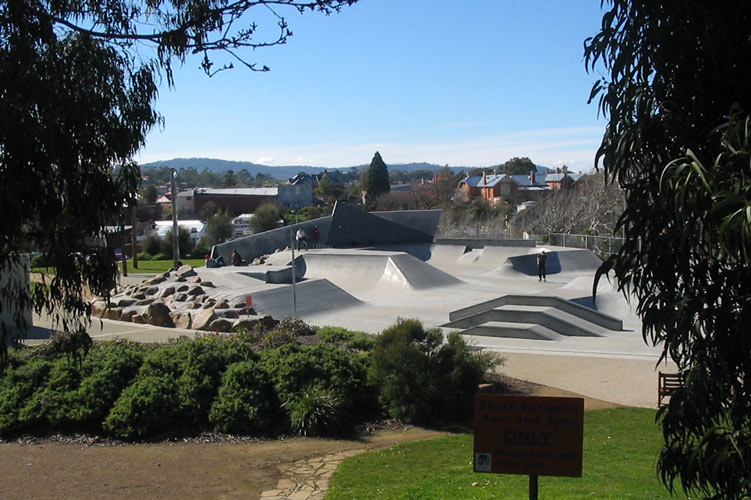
{"type": "Point", "coordinates": [368, 269]}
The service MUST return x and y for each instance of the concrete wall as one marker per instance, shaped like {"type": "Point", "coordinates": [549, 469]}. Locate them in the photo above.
{"type": "Point", "coordinates": [482, 243]}
{"type": "Point", "coordinates": [13, 276]}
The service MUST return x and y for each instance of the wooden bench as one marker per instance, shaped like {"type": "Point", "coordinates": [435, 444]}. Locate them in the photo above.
{"type": "Point", "coordinates": [667, 383]}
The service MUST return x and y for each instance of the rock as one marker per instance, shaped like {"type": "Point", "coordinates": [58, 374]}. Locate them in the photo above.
{"type": "Point", "coordinates": [238, 305]}
{"type": "Point", "coordinates": [155, 280]}
{"type": "Point", "coordinates": [194, 305]}
{"type": "Point", "coordinates": [195, 291]}
{"type": "Point", "coordinates": [245, 324]}
{"type": "Point", "coordinates": [194, 279]}
{"type": "Point", "coordinates": [112, 313]}
{"type": "Point", "coordinates": [125, 302]}
{"type": "Point", "coordinates": [182, 279]}
{"type": "Point", "coordinates": [207, 284]}
{"type": "Point", "coordinates": [152, 290]}
{"type": "Point", "coordinates": [181, 297]}
{"type": "Point", "coordinates": [159, 315]}
{"type": "Point", "coordinates": [182, 288]}
{"type": "Point", "coordinates": [139, 295]}
{"type": "Point", "coordinates": [203, 318]}
{"type": "Point", "coordinates": [145, 302]}
{"type": "Point", "coordinates": [222, 305]}
{"type": "Point", "coordinates": [185, 271]}
{"type": "Point", "coordinates": [98, 307]}
{"type": "Point", "coordinates": [182, 320]}
{"type": "Point", "coordinates": [221, 325]}
{"type": "Point", "coordinates": [166, 292]}
{"type": "Point", "coordinates": [208, 305]}
{"type": "Point", "coordinates": [268, 321]}
{"type": "Point", "coordinates": [230, 313]}
{"type": "Point", "coordinates": [139, 319]}
{"type": "Point", "coordinates": [128, 315]}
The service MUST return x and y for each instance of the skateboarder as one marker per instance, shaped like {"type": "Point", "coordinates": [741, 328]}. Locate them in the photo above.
{"type": "Point", "coordinates": [542, 261]}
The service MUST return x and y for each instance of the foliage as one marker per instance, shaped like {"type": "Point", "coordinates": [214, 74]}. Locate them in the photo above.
{"type": "Point", "coordinates": [293, 367]}
{"type": "Point", "coordinates": [422, 381]}
{"type": "Point", "coordinates": [148, 194]}
{"type": "Point", "coordinates": [246, 403]}
{"type": "Point", "coordinates": [517, 166]}
{"type": "Point", "coordinates": [203, 247]}
{"type": "Point", "coordinates": [74, 345]}
{"type": "Point", "coordinates": [359, 341]}
{"type": "Point", "coordinates": [17, 386]}
{"type": "Point", "coordinates": [265, 217]}
{"type": "Point", "coordinates": [618, 463]}
{"type": "Point", "coordinates": [318, 411]}
{"type": "Point", "coordinates": [375, 180]}
{"type": "Point", "coordinates": [152, 245]}
{"type": "Point", "coordinates": [219, 228]}
{"type": "Point", "coordinates": [184, 242]}
{"type": "Point", "coordinates": [676, 95]}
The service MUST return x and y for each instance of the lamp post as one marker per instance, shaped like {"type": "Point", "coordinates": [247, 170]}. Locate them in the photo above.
{"type": "Point", "coordinates": [175, 240]}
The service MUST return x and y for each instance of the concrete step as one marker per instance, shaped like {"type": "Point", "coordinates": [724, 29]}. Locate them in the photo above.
{"type": "Point", "coordinates": [554, 319]}
{"type": "Point", "coordinates": [512, 330]}
{"type": "Point", "coordinates": [573, 308]}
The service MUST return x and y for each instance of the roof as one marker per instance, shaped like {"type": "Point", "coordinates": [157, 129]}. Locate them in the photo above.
{"type": "Point", "coordinates": [163, 226]}
{"type": "Point", "coordinates": [267, 191]}
{"type": "Point", "coordinates": [490, 180]}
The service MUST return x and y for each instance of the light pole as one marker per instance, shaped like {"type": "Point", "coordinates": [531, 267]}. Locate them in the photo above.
{"type": "Point", "coordinates": [175, 240]}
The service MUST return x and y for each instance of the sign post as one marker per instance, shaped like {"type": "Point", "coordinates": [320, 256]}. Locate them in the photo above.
{"type": "Point", "coordinates": [529, 435]}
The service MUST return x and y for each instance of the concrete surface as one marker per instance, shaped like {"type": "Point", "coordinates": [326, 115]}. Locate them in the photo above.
{"type": "Point", "coordinates": [368, 290]}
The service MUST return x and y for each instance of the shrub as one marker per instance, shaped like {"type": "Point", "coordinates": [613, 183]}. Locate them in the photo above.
{"type": "Point", "coordinates": [40, 260]}
{"type": "Point", "coordinates": [318, 411]}
{"type": "Point", "coordinates": [144, 256]}
{"type": "Point", "coordinates": [18, 385]}
{"type": "Point", "coordinates": [152, 244]}
{"type": "Point", "coordinates": [162, 256]}
{"type": "Point", "coordinates": [293, 367]}
{"type": "Point", "coordinates": [359, 341]}
{"type": "Point", "coordinates": [203, 247]}
{"type": "Point", "coordinates": [421, 381]}
{"type": "Point", "coordinates": [150, 405]}
{"type": "Point", "coordinates": [247, 402]}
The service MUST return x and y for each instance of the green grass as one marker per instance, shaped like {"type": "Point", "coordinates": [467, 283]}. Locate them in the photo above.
{"type": "Point", "coordinates": [620, 453]}
{"type": "Point", "coordinates": [158, 266]}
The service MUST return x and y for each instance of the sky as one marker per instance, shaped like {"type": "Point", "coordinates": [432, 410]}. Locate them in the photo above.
{"type": "Point", "coordinates": [452, 82]}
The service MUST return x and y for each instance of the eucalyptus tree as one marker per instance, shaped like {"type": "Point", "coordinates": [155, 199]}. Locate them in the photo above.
{"type": "Point", "coordinates": [676, 92]}
{"type": "Point", "coordinates": [78, 84]}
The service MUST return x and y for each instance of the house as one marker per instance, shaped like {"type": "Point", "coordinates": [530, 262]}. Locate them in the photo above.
{"type": "Point", "coordinates": [241, 225]}
{"type": "Point", "coordinates": [516, 188]}
{"type": "Point", "coordinates": [231, 200]}
{"type": "Point", "coordinates": [160, 228]}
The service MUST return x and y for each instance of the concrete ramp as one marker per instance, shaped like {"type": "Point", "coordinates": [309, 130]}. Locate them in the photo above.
{"type": "Point", "coordinates": [354, 270]}
{"type": "Point", "coordinates": [312, 297]}
{"type": "Point", "coordinates": [576, 262]}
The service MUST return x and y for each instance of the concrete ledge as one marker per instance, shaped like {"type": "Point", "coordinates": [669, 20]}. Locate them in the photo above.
{"type": "Point", "coordinates": [486, 242]}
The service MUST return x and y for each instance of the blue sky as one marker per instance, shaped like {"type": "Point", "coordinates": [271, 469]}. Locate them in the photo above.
{"type": "Point", "coordinates": [457, 82]}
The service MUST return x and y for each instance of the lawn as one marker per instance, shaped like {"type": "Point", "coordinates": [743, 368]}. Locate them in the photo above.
{"type": "Point", "coordinates": [620, 452]}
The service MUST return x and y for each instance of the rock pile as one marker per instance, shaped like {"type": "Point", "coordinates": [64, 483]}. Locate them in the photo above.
{"type": "Point", "coordinates": [178, 299]}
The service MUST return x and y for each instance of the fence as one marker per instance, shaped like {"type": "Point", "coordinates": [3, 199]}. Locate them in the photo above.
{"type": "Point", "coordinates": [601, 245]}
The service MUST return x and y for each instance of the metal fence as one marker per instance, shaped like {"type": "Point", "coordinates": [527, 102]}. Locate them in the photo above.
{"type": "Point", "coordinates": [601, 245]}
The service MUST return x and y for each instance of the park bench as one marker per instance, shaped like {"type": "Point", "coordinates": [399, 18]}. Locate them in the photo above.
{"type": "Point", "coordinates": [667, 383]}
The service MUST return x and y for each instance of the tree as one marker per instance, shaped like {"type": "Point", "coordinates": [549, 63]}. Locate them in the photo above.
{"type": "Point", "coordinates": [517, 166]}
{"type": "Point", "coordinates": [230, 180]}
{"type": "Point", "coordinates": [77, 104]}
{"type": "Point", "coordinates": [219, 228]}
{"type": "Point", "coordinates": [325, 187]}
{"type": "Point", "coordinates": [148, 193]}
{"type": "Point", "coordinates": [184, 242]}
{"type": "Point", "coordinates": [375, 180]}
{"type": "Point", "coordinates": [677, 98]}
{"type": "Point", "coordinates": [265, 217]}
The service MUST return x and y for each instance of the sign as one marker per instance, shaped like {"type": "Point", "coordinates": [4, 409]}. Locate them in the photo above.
{"type": "Point", "coordinates": [535, 436]}
{"type": "Point", "coordinates": [248, 301]}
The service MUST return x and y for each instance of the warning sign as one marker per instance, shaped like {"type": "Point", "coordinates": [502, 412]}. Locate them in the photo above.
{"type": "Point", "coordinates": [529, 435]}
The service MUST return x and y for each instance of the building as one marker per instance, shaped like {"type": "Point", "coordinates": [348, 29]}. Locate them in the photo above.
{"type": "Point", "coordinates": [515, 188]}
{"type": "Point", "coordinates": [241, 225]}
{"type": "Point", "coordinates": [231, 200]}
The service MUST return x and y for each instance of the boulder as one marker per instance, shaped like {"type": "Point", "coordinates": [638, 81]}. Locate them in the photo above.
{"type": "Point", "coordinates": [139, 319]}
{"type": "Point", "coordinates": [194, 279]}
{"type": "Point", "coordinates": [268, 321]}
{"type": "Point", "coordinates": [159, 278]}
{"type": "Point", "coordinates": [182, 320]}
{"type": "Point", "coordinates": [203, 318]}
{"type": "Point", "coordinates": [166, 292]}
{"type": "Point", "coordinates": [152, 290]}
{"type": "Point", "coordinates": [221, 325]}
{"type": "Point", "coordinates": [145, 302]}
{"type": "Point", "coordinates": [194, 305]}
{"type": "Point", "coordinates": [182, 288]}
{"type": "Point", "coordinates": [245, 324]}
{"type": "Point", "coordinates": [158, 314]}
{"type": "Point", "coordinates": [138, 295]}
{"type": "Point", "coordinates": [128, 314]}
{"type": "Point", "coordinates": [207, 284]}
{"type": "Point", "coordinates": [222, 305]}
{"type": "Point", "coordinates": [112, 313]}
{"type": "Point", "coordinates": [98, 307]}
{"type": "Point", "coordinates": [230, 313]}
{"type": "Point", "coordinates": [185, 271]}
{"type": "Point", "coordinates": [238, 305]}
{"type": "Point", "coordinates": [196, 291]}
{"type": "Point", "coordinates": [125, 302]}
{"type": "Point", "coordinates": [181, 297]}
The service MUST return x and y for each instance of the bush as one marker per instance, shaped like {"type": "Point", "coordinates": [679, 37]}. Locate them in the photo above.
{"type": "Point", "coordinates": [318, 411]}
{"type": "Point", "coordinates": [247, 402]}
{"type": "Point", "coordinates": [144, 256]}
{"type": "Point", "coordinates": [162, 256]}
{"type": "Point", "coordinates": [359, 341]}
{"type": "Point", "coordinates": [150, 405]}
{"type": "Point", "coordinates": [293, 367]}
{"type": "Point", "coordinates": [421, 381]}
{"type": "Point", "coordinates": [40, 260]}
{"type": "Point", "coordinates": [152, 245]}
{"type": "Point", "coordinates": [21, 380]}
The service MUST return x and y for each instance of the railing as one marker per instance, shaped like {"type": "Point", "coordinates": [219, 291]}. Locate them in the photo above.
{"type": "Point", "coordinates": [601, 245]}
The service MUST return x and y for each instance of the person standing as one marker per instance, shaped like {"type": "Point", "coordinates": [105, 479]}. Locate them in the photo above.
{"type": "Point", "coordinates": [316, 235]}
{"type": "Point", "coordinates": [301, 239]}
{"type": "Point", "coordinates": [542, 262]}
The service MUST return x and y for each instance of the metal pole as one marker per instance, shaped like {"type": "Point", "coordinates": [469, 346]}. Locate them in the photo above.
{"type": "Point", "coordinates": [294, 290]}
{"type": "Point", "coordinates": [532, 487]}
{"type": "Point", "coordinates": [175, 249]}
{"type": "Point", "coordinates": [133, 240]}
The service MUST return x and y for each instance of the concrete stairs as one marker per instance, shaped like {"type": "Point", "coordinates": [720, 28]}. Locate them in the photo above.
{"type": "Point", "coordinates": [532, 317]}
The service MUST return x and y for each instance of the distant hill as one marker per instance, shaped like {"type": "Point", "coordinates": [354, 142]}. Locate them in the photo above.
{"type": "Point", "coordinates": [281, 172]}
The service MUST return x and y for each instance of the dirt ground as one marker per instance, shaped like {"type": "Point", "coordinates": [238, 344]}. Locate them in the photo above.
{"type": "Point", "coordinates": [182, 470]}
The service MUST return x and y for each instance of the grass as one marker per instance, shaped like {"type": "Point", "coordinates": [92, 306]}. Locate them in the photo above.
{"type": "Point", "coordinates": [620, 453]}
{"type": "Point", "coordinates": [159, 266]}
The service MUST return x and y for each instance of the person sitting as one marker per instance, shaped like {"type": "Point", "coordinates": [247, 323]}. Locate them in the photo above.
{"type": "Point", "coordinates": [236, 258]}
{"type": "Point", "coordinates": [218, 262]}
